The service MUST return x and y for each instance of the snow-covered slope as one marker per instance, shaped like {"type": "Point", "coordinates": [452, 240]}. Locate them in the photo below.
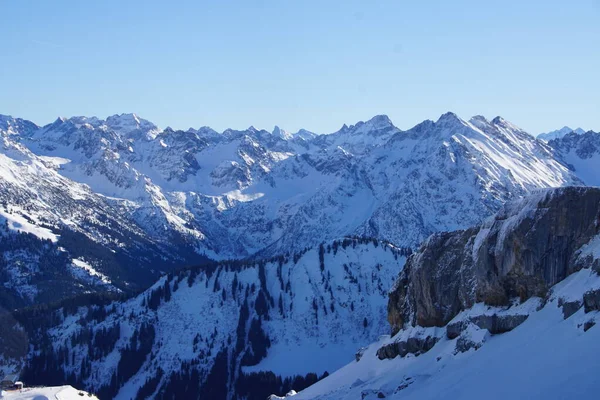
{"type": "Point", "coordinates": [559, 133]}
{"type": "Point", "coordinates": [546, 357]}
{"type": "Point", "coordinates": [244, 328]}
{"type": "Point", "coordinates": [511, 305]}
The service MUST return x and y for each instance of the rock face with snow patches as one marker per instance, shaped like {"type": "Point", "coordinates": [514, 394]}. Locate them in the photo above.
{"type": "Point", "coordinates": [489, 304]}
{"type": "Point", "coordinates": [527, 247]}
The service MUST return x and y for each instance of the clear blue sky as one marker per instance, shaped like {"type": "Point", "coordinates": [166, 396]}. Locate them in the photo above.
{"type": "Point", "coordinates": [302, 64]}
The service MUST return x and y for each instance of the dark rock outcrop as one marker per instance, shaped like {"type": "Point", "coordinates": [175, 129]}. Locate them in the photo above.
{"type": "Point", "coordinates": [494, 324]}
{"type": "Point", "coordinates": [413, 345]}
{"type": "Point", "coordinates": [371, 394]}
{"type": "Point", "coordinates": [464, 344]}
{"type": "Point", "coordinates": [569, 307]}
{"type": "Point", "coordinates": [499, 323]}
{"type": "Point", "coordinates": [358, 355]}
{"type": "Point", "coordinates": [591, 301]}
{"type": "Point", "coordinates": [588, 324]}
{"type": "Point", "coordinates": [529, 246]}
{"type": "Point", "coordinates": [455, 329]}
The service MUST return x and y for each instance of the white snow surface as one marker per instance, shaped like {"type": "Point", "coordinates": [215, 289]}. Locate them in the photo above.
{"type": "Point", "coordinates": [84, 270]}
{"type": "Point", "coordinates": [17, 222]}
{"type": "Point", "coordinates": [47, 393]}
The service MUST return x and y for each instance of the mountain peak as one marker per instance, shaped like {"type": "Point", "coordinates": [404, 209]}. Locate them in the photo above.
{"type": "Point", "coordinates": [305, 134]}
{"type": "Point", "coordinates": [449, 118]}
{"type": "Point", "coordinates": [124, 116]}
{"type": "Point", "coordinates": [479, 118]}
{"type": "Point", "coordinates": [11, 125]}
{"type": "Point", "coordinates": [277, 131]}
{"type": "Point", "coordinates": [129, 118]}
{"type": "Point", "coordinates": [498, 120]}
{"type": "Point", "coordinates": [377, 124]}
{"type": "Point", "coordinates": [207, 131]}
{"type": "Point", "coordinates": [132, 126]}
{"type": "Point", "coordinates": [479, 121]}
{"type": "Point", "coordinates": [380, 121]}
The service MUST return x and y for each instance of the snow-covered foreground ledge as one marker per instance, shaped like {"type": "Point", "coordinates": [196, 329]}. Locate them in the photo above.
{"type": "Point", "coordinates": [47, 393]}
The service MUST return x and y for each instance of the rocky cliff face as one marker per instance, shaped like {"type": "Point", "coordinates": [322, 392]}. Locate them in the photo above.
{"type": "Point", "coordinates": [529, 246]}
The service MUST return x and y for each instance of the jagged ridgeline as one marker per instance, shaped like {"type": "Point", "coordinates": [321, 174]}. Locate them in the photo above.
{"type": "Point", "coordinates": [231, 329]}
{"type": "Point", "coordinates": [125, 202]}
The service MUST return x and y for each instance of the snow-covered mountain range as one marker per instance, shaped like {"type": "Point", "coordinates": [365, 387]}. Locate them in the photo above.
{"type": "Point", "coordinates": [144, 200]}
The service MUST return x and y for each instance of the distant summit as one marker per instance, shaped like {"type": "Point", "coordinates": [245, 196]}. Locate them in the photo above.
{"type": "Point", "coordinates": [559, 133]}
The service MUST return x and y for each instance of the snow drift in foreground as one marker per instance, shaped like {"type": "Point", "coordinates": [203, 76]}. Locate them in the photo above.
{"type": "Point", "coordinates": [47, 393]}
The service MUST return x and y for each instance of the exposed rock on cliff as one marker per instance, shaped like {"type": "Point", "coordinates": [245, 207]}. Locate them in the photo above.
{"type": "Point", "coordinates": [591, 301]}
{"type": "Point", "coordinates": [529, 246]}
{"type": "Point", "coordinates": [412, 345]}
